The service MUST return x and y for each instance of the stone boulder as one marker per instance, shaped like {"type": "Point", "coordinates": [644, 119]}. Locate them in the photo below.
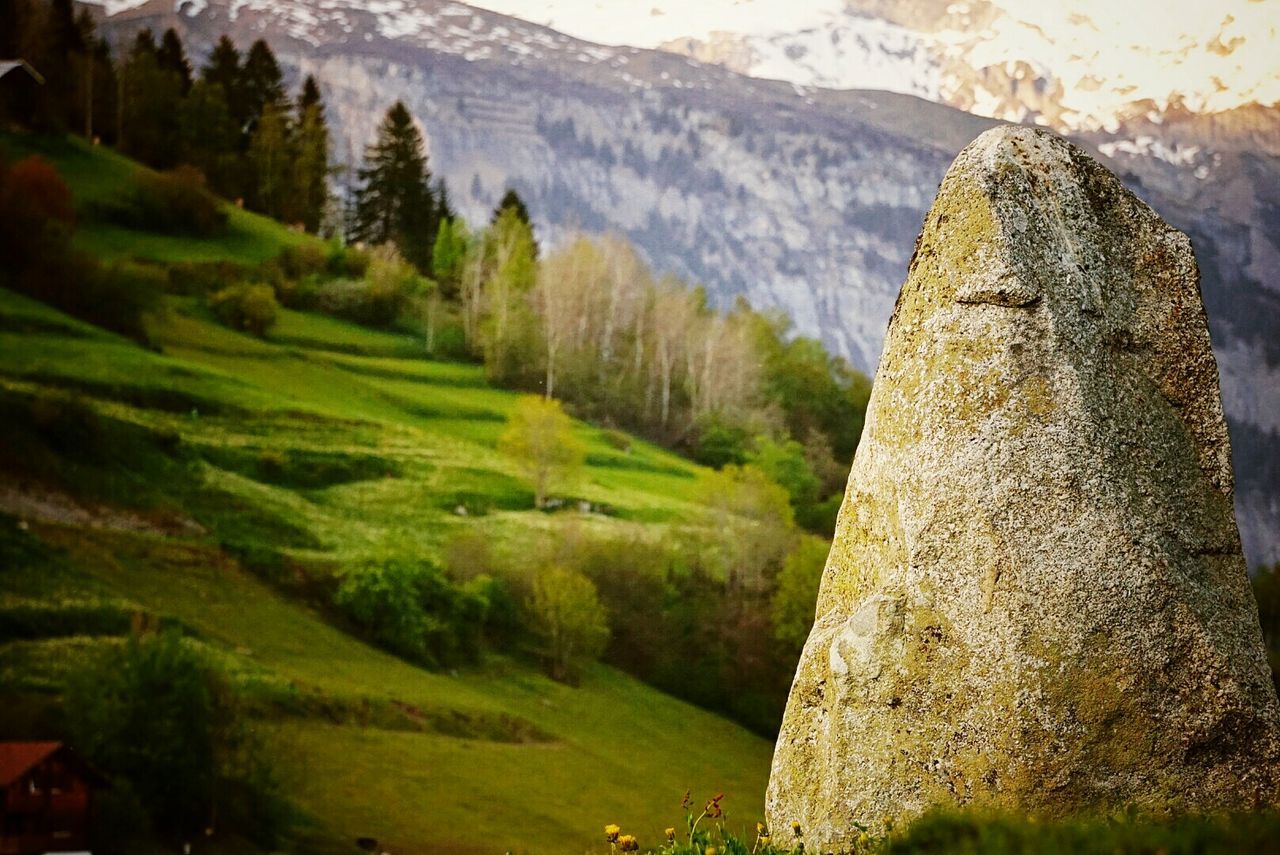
{"type": "Point", "coordinates": [1036, 598]}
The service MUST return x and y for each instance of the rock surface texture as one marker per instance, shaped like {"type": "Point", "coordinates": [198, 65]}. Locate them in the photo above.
{"type": "Point", "coordinates": [1036, 598]}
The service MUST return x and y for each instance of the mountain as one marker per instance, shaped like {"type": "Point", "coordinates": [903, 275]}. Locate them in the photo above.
{"type": "Point", "coordinates": [1084, 65]}
{"type": "Point", "coordinates": [796, 197]}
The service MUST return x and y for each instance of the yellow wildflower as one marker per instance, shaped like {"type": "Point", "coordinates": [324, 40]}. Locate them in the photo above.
{"type": "Point", "coordinates": [711, 850]}
{"type": "Point", "coordinates": [795, 826]}
{"type": "Point", "coordinates": [759, 828]}
{"type": "Point", "coordinates": [765, 840]}
{"type": "Point", "coordinates": [671, 835]}
{"type": "Point", "coordinates": [628, 843]}
{"type": "Point", "coordinates": [611, 833]}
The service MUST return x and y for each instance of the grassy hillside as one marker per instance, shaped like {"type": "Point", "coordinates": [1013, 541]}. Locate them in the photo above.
{"type": "Point", "coordinates": [452, 765]}
{"type": "Point", "coordinates": [218, 482]}
{"type": "Point", "coordinates": [98, 175]}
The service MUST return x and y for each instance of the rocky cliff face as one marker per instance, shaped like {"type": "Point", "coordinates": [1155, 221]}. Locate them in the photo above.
{"type": "Point", "coordinates": [1036, 598]}
{"type": "Point", "coordinates": [803, 199]}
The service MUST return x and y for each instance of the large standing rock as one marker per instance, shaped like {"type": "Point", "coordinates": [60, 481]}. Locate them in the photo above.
{"type": "Point", "coordinates": [1036, 597]}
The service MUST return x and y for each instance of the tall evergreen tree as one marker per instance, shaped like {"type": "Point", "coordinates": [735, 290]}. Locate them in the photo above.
{"type": "Point", "coordinates": [444, 206]}
{"type": "Point", "coordinates": [144, 44]}
{"type": "Point", "coordinates": [223, 69]}
{"type": "Point", "coordinates": [65, 50]}
{"type": "Point", "coordinates": [261, 83]}
{"type": "Point", "coordinates": [311, 163]}
{"type": "Point", "coordinates": [149, 112]}
{"type": "Point", "coordinates": [310, 96]}
{"type": "Point", "coordinates": [511, 201]}
{"type": "Point", "coordinates": [209, 138]}
{"type": "Point", "coordinates": [172, 57]}
{"type": "Point", "coordinates": [104, 83]}
{"type": "Point", "coordinates": [394, 201]}
{"type": "Point", "coordinates": [271, 159]}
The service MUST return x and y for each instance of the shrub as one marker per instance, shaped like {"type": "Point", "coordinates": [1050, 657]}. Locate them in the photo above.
{"type": "Point", "coordinates": [173, 202]}
{"type": "Point", "coordinates": [156, 714]}
{"type": "Point", "coordinates": [68, 425]}
{"type": "Point", "coordinates": [303, 260]}
{"type": "Point", "coordinates": [200, 278]}
{"type": "Point", "coordinates": [247, 307]}
{"type": "Point", "coordinates": [347, 261]}
{"type": "Point", "coordinates": [540, 437]}
{"type": "Point", "coordinates": [120, 296]}
{"type": "Point", "coordinates": [381, 297]}
{"type": "Point", "coordinates": [414, 611]}
{"type": "Point", "coordinates": [147, 715]}
{"type": "Point", "coordinates": [616, 439]}
{"type": "Point", "coordinates": [568, 621]}
{"type": "Point", "coordinates": [717, 444]}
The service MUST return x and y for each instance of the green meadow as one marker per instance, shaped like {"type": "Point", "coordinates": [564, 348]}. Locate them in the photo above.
{"type": "Point", "coordinates": [227, 480]}
{"type": "Point", "coordinates": [451, 771]}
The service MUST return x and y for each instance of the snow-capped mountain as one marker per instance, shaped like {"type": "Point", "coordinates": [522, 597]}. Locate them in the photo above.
{"type": "Point", "coordinates": [801, 198]}
{"type": "Point", "coordinates": [1083, 65]}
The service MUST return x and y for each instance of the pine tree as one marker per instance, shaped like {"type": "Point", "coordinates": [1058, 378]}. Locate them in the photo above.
{"type": "Point", "coordinates": [310, 96]}
{"type": "Point", "coordinates": [149, 112]}
{"type": "Point", "coordinates": [261, 83]}
{"type": "Point", "coordinates": [144, 44]}
{"type": "Point", "coordinates": [444, 207]}
{"type": "Point", "coordinates": [394, 201]}
{"type": "Point", "coordinates": [271, 160]}
{"type": "Point", "coordinates": [105, 92]}
{"type": "Point", "coordinates": [511, 201]}
{"type": "Point", "coordinates": [311, 164]}
{"type": "Point", "coordinates": [172, 57]}
{"type": "Point", "coordinates": [223, 69]}
{"type": "Point", "coordinates": [209, 138]}
{"type": "Point", "coordinates": [65, 49]}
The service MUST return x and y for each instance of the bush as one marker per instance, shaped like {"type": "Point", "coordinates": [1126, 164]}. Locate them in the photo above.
{"type": "Point", "coordinates": [415, 612]}
{"type": "Point", "coordinates": [246, 307]}
{"type": "Point", "coordinates": [303, 260]}
{"type": "Point", "coordinates": [616, 439]}
{"type": "Point", "coordinates": [347, 261]}
{"type": "Point", "coordinates": [146, 714]}
{"type": "Point", "coordinates": [201, 278]}
{"type": "Point", "coordinates": [569, 622]}
{"type": "Point", "coordinates": [381, 297]}
{"type": "Point", "coordinates": [157, 715]}
{"type": "Point", "coordinates": [717, 444]}
{"type": "Point", "coordinates": [173, 202]}
{"type": "Point", "coordinates": [69, 426]}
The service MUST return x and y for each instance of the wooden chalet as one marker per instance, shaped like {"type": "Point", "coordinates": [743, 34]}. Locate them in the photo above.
{"type": "Point", "coordinates": [46, 796]}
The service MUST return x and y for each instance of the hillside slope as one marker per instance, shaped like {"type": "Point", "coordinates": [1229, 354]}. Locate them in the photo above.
{"type": "Point", "coordinates": [220, 482]}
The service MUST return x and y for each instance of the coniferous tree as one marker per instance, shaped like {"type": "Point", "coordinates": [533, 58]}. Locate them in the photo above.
{"type": "Point", "coordinates": [271, 162]}
{"type": "Point", "coordinates": [209, 138]}
{"type": "Point", "coordinates": [311, 161]}
{"type": "Point", "coordinates": [61, 63]}
{"type": "Point", "coordinates": [444, 207]}
{"type": "Point", "coordinates": [104, 85]}
{"type": "Point", "coordinates": [149, 112]}
{"type": "Point", "coordinates": [223, 69]}
{"type": "Point", "coordinates": [511, 201]}
{"type": "Point", "coordinates": [393, 201]}
{"type": "Point", "coordinates": [172, 57]}
{"type": "Point", "coordinates": [261, 83]}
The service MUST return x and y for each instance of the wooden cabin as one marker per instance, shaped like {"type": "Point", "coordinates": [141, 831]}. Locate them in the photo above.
{"type": "Point", "coordinates": [46, 798]}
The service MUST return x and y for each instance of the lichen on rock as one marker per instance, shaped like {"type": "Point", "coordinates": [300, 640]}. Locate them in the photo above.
{"type": "Point", "coordinates": [1036, 597]}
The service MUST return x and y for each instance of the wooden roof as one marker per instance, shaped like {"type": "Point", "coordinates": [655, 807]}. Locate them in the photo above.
{"type": "Point", "coordinates": [18, 758]}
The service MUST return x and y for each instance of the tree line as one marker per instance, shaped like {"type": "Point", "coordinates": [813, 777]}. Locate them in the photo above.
{"type": "Point", "coordinates": [232, 119]}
